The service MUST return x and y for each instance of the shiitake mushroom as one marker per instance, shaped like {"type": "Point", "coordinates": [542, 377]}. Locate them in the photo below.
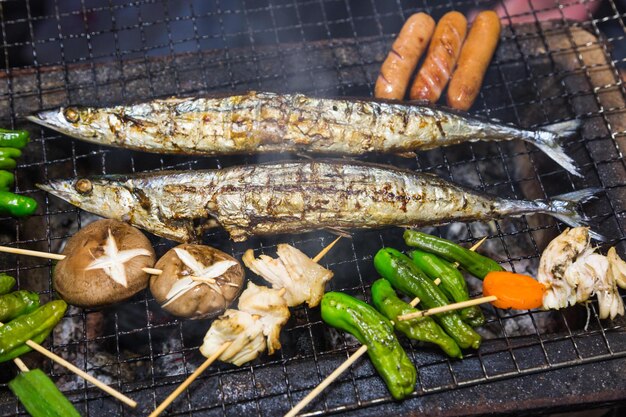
{"type": "Point", "coordinates": [103, 264]}
{"type": "Point", "coordinates": [182, 296]}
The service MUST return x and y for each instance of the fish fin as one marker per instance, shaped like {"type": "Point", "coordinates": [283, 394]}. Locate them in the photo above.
{"type": "Point", "coordinates": [548, 139]}
{"type": "Point", "coordinates": [565, 208]}
{"type": "Point", "coordinates": [338, 231]}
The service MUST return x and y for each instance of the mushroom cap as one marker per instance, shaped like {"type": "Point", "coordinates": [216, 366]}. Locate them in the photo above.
{"type": "Point", "coordinates": [93, 288]}
{"type": "Point", "coordinates": [201, 301]}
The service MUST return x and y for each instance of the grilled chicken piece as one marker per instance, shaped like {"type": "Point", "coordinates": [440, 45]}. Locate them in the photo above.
{"type": "Point", "coordinates": [243, 330]}
{"type": "Point", "coordinates": [271, 307]}
{"type": "Point", "coordinates": [303, 279]}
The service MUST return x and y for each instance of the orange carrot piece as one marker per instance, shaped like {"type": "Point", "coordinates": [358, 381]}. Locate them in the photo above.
{"type": "Point", "coordinates": [516, 291]}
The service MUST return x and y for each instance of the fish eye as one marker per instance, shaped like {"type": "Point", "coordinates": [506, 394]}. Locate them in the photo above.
{"type": "Point", "coordinates": [71, 115]}
{"type": "Point", "coordinates": [83, 186]}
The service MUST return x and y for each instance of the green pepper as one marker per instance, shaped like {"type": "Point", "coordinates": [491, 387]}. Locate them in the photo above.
{"type": "Point", "coordinates": [7, 282]}
{"type": "Point", "coordinates": [14, 138]}
{"type": "Point", "coordinates": [40, 397]}
{"type": "Point", "coordinates": [453, 284]}
{"type": "Point", "coordinates": [22, 349]}
{"type": "Point", "coordinates": [406, 277]}
{"type": "Point", "coordinates": [472, 262]}
{"type": "Point", "coordinates": [7, 179]}
{"type": "Point", "coordinates": [424, 329]}
{"type": "Point", "coordinates": [19, 330]}
{"type": "Point", "coordinates": [376, 332]}
{"type": "Point", "coordinates": [8, 156]}
{"type": "Point", "coordinates": [17, 303]}
{"type": "Point", "coordinates": [16, 205]}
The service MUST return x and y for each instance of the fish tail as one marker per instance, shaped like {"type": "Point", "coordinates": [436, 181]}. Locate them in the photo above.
{"type": "Point", "coordinates": [565, 208]}
{"type": "Point", "coordinates": [548, 139]}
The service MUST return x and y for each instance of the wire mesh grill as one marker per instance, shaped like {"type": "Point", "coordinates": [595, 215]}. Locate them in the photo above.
{"type": "Point", "coordinates": [105, 52]}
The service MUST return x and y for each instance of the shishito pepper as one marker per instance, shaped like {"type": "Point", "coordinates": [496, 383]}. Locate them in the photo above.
{"type": "Point", "coordinates": [15, 333]}
{"type": "Point", "coordinates": [8, 157]}
{"type": "Point", "coordinates": [40, 397]}
{"type": "Point", "coordinates": [7, 282]}
{"type": "Point", "coordinates": [472, 262]}
{"type": "Point", "coordinates": [16, 205]}
{"type": "Point", "coordinates": [452, 284]}
{"type": "Point", "coordinates": [372, 329]}
{"type": "Point", "coordinates": [14, 138]}
{"type": "Point", "coordinates": [406, 277]}
{"type": "Point", "coordinates": [425, 329]}
{"type": "Point", "coordinates": [17, 303]}
{"type": "Point", "coordinates": [7, 179]}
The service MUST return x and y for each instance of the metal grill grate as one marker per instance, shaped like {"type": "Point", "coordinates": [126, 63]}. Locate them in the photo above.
{"type": "Point", "coordinates": [105, 51]}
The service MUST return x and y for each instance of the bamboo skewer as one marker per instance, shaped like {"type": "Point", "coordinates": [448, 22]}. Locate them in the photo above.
{"type": "Point", "coordinates": [356, 355]}
{"type": "Point", "coordinates": [221, 350]}
{"type": "Point", "coordinates": [449, 307]}
{"type": "Point", "coordinates": [56, 358]}
{"type": "Point", "coordinates": [59, 257]}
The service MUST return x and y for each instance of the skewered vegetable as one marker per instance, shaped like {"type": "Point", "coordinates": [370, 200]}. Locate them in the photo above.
{"type": "Point", "coordinates": [8, 156]}
{"type": "Point", "coordinates": [376, 332]}
{"type": "Point", "coordinates": [472, 262]}
{"type": "Point", "coordinates": [17, 303]}
{"type": "Point", "coordinates": [7, 179]}
{"type": "Point", "coordinates": [7, 282]}
{"type": "Point", "coordinates": [302, 278]}
{"type": "Point", "coordinates": [14, 138]}
{"type": "Point", "coordinates": [516, 291]}
{"type": "Point", "coordinates": [103, 264]}
{"type": "Point", "coordinates": [16, 205]}
{"type": "Point", "coordinates": [251, 329]}
{"type": "Point", "coordinates": [453, 284]}
{"type": "Point", "coordinates": [197, 281]}
{"type": "Point", "coordinates": [31, 326]}
{"type": "Point", "coordinates": [406, 277]}
{"type": "Point", "coordinates": [40, 397]}
{"type": "Point", "coordinates": [424, 329]}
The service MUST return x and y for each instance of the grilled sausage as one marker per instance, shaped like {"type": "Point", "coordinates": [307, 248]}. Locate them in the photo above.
{"type": "Point", "coordinates": [402, 59]}
{"type": "Point", "coordinates": [475, 57]}
{"type": "Point", "coordinates": [443, 52]}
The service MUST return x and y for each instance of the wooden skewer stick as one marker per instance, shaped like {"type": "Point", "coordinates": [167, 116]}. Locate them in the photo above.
{"type": "Point", "coordinates": [56, 358]}
{"type": "Point", "coordinates": [59, 257]}
{"type": "Point", "coordinates": [182, 387]}
{"type": "Point", "coordinates": [353, 358]}
{"type": "Point", "coordinates": [449, 307]}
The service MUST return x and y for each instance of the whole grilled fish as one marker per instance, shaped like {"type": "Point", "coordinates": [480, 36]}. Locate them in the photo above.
{"type": "Point", "coordinates": [267, 122]}
{"type": "Point", "coordinates": [296, 196]}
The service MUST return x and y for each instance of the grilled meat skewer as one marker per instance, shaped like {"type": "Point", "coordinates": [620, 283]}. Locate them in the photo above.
{"type": "Point", "coordinates": [267, 122]}
{"type": "Point", "coordinates": [291, 197]}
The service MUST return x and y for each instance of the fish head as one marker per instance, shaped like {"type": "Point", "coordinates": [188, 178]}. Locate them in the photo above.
{"type": "Point", "coordinates": [106, 196]}
{"type": "Point", "coordinates": [85, 123]}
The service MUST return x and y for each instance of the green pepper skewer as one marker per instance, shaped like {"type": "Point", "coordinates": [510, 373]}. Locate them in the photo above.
{"type": "Point", "coordinates": [7, 282]}
{"type": "Point", "coordinates": [386, 301]}
{"type": "Point", "coordinates": [17, 303]}
{"type": "Point", "coordinates": [407, 278]}
{"type": "Point", "coordinates": [472, 262]}
{"type": "Point", "coordinates": [376, 332]}
{"type": "Point", "coordinates": [40, 397]}
{"type": "Point", "coordinates": [16, 332]}
{"type": "Point", "coordinates": [14, 138]}
{"type": "Point", "coordinates": [16, 205]}
{"type": "Point", "coordinates": [453, 283]}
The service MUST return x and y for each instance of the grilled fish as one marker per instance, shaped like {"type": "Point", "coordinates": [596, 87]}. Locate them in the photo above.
{"type": "Point", "coordinates": [257, 122]}
{"type": "Point", "coordinates": [294, 196]}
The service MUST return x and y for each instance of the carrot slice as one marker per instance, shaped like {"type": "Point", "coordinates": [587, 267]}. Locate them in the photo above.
{"type": "Point", "coordinates": [516, 291]}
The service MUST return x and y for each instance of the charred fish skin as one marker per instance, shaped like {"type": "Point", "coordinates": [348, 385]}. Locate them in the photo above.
{"type": "Point", "coordinates": [292, 197]}
{"type": "Point", "coordinates": [257, 122]}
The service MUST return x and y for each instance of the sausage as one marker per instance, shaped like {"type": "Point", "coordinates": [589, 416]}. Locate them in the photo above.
{"type": "Point", "coordinates": [402, 59]}
{"type": "Point", "coordinates": [475, 57]}
{"type": "Point", "coordinates": [443, 52]}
